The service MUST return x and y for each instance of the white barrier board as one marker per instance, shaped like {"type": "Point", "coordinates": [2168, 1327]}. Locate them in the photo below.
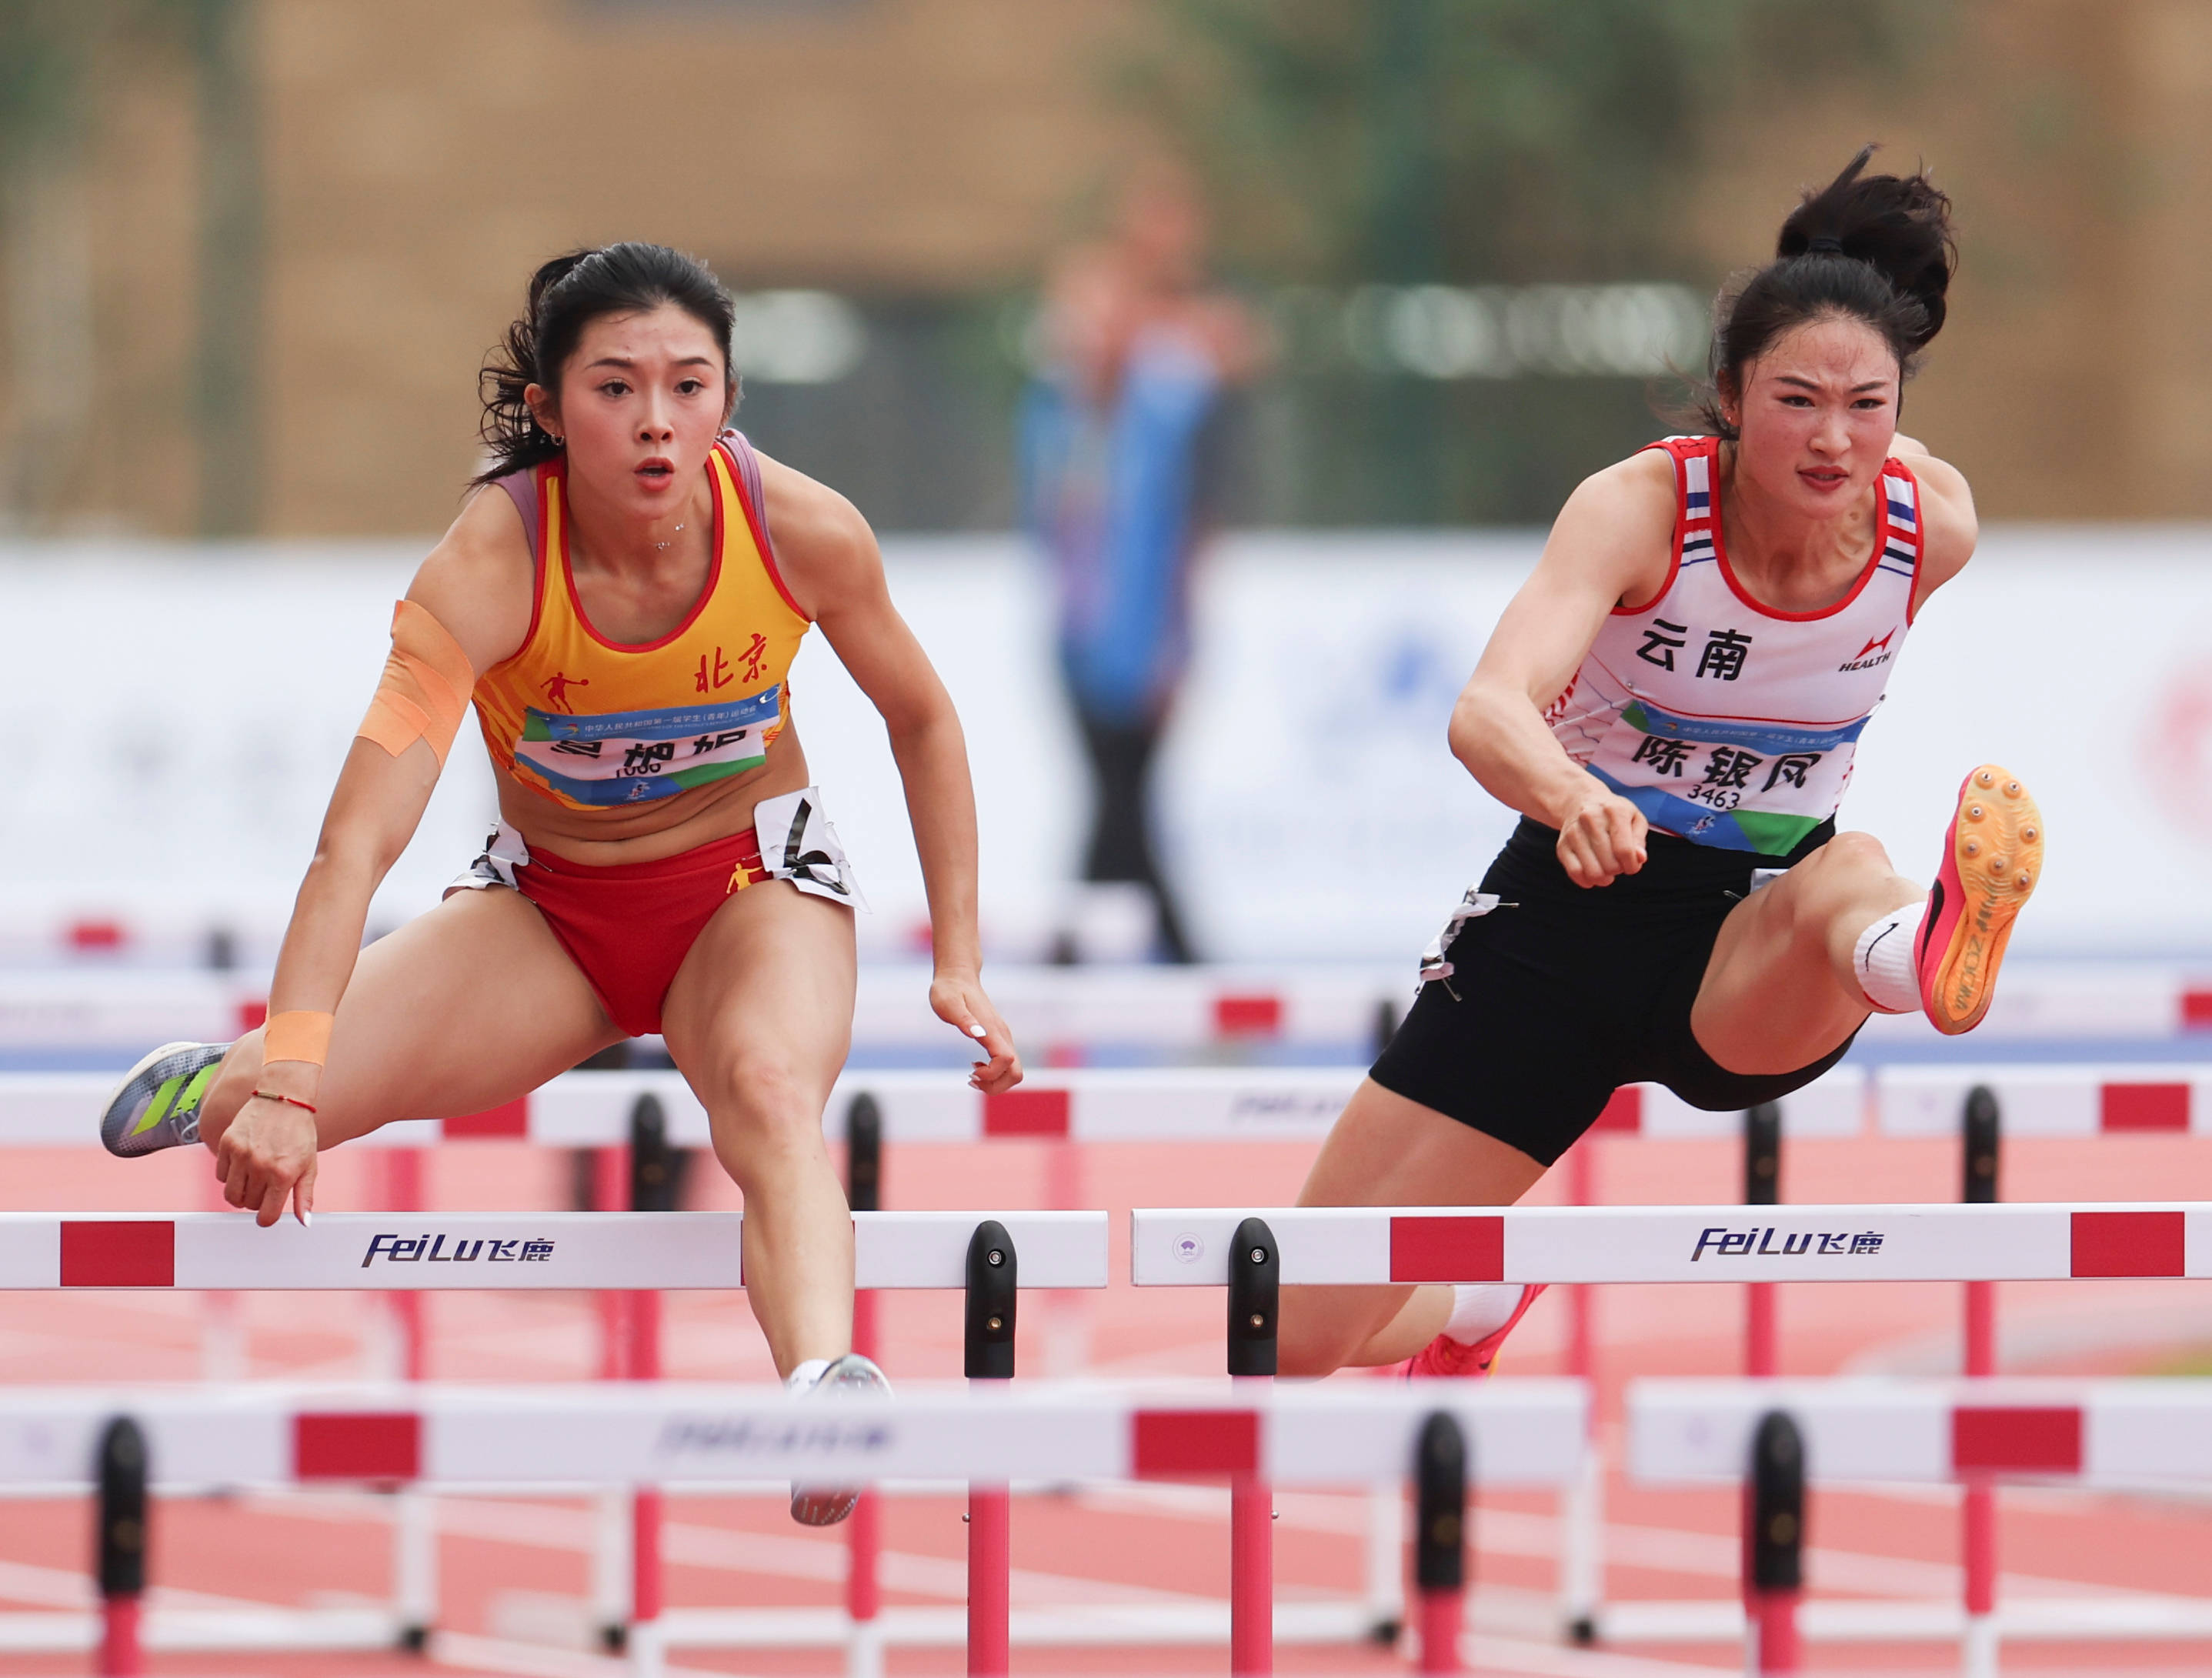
{"type": "Point", "coordinates": [408, 1251]}
{"type": "Point", "coordinates": [2109, 1432]}
{"type": "Point", "coordinates": [1520, 1433]}
{"type": "Point", "coordinates": [1374, 1245]}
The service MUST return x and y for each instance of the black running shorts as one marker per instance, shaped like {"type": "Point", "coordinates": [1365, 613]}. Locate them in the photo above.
{"type": "Point", "coordinates": [1558, 1001]}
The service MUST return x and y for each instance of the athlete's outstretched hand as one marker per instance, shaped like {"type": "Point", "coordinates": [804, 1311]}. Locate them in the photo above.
{"type": "Point", "coordinates": [959, 1001]}
{"type": "Point", "coordinates": [266, 1155]}
{"type": "Point", "coordinates": [1602, 838]}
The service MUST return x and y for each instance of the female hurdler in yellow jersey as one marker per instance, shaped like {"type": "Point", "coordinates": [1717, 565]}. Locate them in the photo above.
{"type": "Point", "coordinates": [622, 605]}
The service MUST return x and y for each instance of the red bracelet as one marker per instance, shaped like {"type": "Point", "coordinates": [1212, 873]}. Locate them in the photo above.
{"type": "Point", "coordinates": [289, 1100]}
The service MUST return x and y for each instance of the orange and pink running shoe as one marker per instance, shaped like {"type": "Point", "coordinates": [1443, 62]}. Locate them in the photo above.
{"type": "Point", "coordinates": [1445, 1356]}
{"type": "Point", "coordinates": [1992, 858]}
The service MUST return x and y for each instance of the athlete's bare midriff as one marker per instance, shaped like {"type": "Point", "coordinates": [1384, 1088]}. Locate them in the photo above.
{"type": "Point", "coordinates": [653, 829]}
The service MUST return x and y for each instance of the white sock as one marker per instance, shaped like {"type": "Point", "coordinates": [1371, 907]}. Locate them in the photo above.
{"type": "Point", "coordinates": [1882, 960]}
{"type": "Point", "coordinates": [1480, 1310]}
{"type": "Point", "coordinates": [806, 1375]}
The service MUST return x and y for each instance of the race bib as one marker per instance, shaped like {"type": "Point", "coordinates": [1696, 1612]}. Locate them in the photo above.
{"type": "Point", "coordinates": [622, 756]}
{"type": "Point", "coordinates": [1733, 784]}
{"type": "Point", "coordinates": [797, 843]}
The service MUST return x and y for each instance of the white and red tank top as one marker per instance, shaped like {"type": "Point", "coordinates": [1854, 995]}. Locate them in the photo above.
{"type": "Point", "coordinates": [1725, 721]}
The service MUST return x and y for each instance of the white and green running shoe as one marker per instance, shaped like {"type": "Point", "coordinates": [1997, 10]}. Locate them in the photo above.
{"type": "Point", "coordinates": [157, 1105]}
{"type": "Point", "coordinates": [826, 1505]}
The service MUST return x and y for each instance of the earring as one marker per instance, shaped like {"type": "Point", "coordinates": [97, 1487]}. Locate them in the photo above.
{"type": "Point", "coordinates": [559, 442]}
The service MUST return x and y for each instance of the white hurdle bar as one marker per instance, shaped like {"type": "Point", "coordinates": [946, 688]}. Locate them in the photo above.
{"type": "Point", "coordinates": [2090, 1100]}
{"type": "Point", "coordinates": [1222, 1104]}
{"type": "Point", "coordinates": [1179, 1103]}
{"type": "Point", "coordinates": [97, 1004]}
{"type": "Point", "coordinates": [101, 998]}
{"type": "Point", "coordinates": [557, 1439]}
{"type": "Point", "coordinates": [591, 1251]}
{"type": "Point", "coordinates": [1382, 1245]}
{"type": "Point", "coordinates": [1355, 1245]}
{"type": "Point", "coordinates": [2090, 1432]}
{"type": "Point", "coordinates": [2108, 1434]}
{"type": "Point", "coordinates": [563, 1437]}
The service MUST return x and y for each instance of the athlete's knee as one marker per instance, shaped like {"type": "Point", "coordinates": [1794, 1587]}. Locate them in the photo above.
{"type": "Point", "coordinates": [762, 1105]}
{"type": "Point", "coordinates": [1837, 874]}
{"type": "Point", "coordinates": [1854, 853]}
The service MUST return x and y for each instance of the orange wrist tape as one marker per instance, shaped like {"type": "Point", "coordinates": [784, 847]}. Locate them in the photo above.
{"type": "Point", "coordinates": [425, 687]}
{"type": "Point", "coordinates": [296, 1035]}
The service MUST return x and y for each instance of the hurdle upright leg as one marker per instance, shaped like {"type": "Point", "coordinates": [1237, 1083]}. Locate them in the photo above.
{"type": "Point", "coordinates": [403, 1184]}
{"type": "Point", "coordinates": [863, 1176]}
{"type": "Point", "coordinates": [651, 1188]}
{"type": "Point", "coordinates": [1762, 1186]}
{"type": "Point", "coordinates": [1581, 1505]}
{"type": "Point", "coordinates": [1386, 1559]}
{"type": "Point", "coordinates": [1255, 1272]}
{"type": "Point", "coordinates": [414, 1511]}
{"type": "Point", "coordinates": [1440, 1546]}
{"type": "Point", "coordinates": [1977, 1514]}
{"type": "Point", "coordinates": [1774, 1546]}
{"type": "Point", "coordinates": [119, 1564]}
{"type": "Point", "coordinates": [987, 1355]}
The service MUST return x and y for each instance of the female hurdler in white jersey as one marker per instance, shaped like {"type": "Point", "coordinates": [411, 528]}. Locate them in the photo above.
{"type": "Point", "coordinates": [1673, 701]}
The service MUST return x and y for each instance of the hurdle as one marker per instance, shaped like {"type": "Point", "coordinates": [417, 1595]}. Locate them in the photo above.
{"type": "Point", "coordinates": [86, 984]}
{"type": "Point", "coordinates": [557, 1438]}
{"type": "Point", "coordinates": [2050, 1101]}
{"type": "Point", "coordinates": [1979, 1242]}
{"type": "Point", "coordinates": [636, 1254]}
{"type": "Point", "coordinates": [1384, 1245]}
{"type": "Point", "coordinates": [2120, 1434]}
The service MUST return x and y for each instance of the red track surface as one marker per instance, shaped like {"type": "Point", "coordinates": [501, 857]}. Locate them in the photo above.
{"type": "Point", "coordinates": [514, 1573]}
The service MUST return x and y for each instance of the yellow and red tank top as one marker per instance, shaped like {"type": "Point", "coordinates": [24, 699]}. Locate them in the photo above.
{"type": "Point", "coordinates": [590, 722]}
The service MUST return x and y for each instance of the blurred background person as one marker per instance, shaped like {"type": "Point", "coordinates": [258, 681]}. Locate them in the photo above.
{"type": "Point", "coordinates": [1119, 473]}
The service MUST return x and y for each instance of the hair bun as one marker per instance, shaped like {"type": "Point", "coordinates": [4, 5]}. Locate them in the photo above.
{"type": "Point", "coordinates": [1898, 224]}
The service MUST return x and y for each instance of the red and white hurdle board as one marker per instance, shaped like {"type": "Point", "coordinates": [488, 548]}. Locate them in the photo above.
{"type": "Point", "coordinates": [2109, 1432]}
{"type": "Point", "coordinates": [1523, 1432]}
{"type": "Point", "coordinates": [596, 1250]}
{"type": "Point", "coordinates": [99, 1000]}
{"type": "Point", "coordinates": [1370, 1245]}
{"type": "Point", "coordinates": [1183, 1103]}
{"type": "Point", "coordinates": [1165, 1008]}
{"type": "Point", "coordinates": [2052, 1100]}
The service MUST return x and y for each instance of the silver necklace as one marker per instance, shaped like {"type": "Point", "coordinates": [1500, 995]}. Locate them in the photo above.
{"type": "Point", "coordinates": [678, 532]}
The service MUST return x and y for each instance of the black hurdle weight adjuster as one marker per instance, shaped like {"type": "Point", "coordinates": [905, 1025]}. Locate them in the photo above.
{"type": "Point", "coordinates": [988, 1343]}
{"type": "Point", "coordinates": [1254, 1298]}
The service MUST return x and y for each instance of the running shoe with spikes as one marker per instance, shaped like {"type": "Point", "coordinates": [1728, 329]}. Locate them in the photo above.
{"type": "Point", "coordinates": [1992, 858]}
{"type": "Point", "coordinates": [824, 1505]}
{"type": "Point", "coordinates": [1445, 1356]}
{"type": "Point", "coordinates": [157, 1104]}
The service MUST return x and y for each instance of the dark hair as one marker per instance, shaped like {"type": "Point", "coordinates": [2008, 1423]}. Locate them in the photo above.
{"type": "Point", "coordinates": [1875, 248]}
{"type": "Point", "coordinates": [566, 296]}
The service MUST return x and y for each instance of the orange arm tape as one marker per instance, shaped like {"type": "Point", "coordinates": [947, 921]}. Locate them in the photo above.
{"type": "Point", "coordinates": [425, 687]}
{"type": "Point", "coordinates": [296, 1035]}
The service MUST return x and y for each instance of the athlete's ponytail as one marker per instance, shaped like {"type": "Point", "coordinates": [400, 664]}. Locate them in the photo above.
{"type": "Point", "coordinates": [1875, 248]}
{"type": "Point", "coordinates": [566, 296]}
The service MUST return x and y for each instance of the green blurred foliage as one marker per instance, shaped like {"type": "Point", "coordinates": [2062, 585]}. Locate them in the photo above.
{"type": "Point", "coordinates": [1476, 142]}
{"type": "Point", "coordinates": [50, 57]}
{"type": "Point", "coordinates": [1487, 140]}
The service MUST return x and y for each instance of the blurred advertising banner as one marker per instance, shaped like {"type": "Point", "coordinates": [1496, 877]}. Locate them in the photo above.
{"type": "Point", "coordinates": [177, 715]}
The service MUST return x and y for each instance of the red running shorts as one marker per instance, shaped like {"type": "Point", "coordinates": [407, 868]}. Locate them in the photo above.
{"type": "Point", "coordinates": [630, 927]}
